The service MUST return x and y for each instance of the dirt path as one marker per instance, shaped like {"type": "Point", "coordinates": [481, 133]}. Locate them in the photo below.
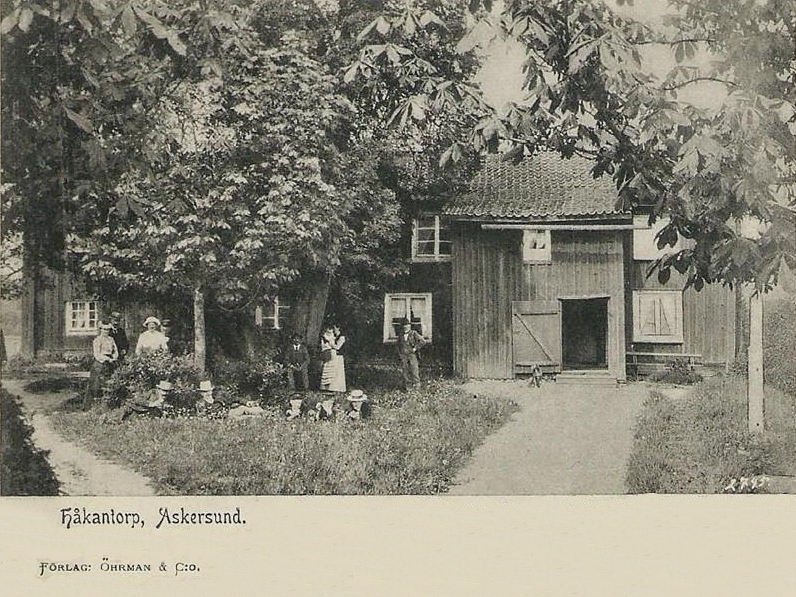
{"type": "Point", "coordinates": [565, 440]}
{"type": "Point", "coordinates": [79, 471]}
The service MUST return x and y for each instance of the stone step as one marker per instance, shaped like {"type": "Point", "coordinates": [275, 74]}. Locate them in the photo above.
{"type": "Point", "coordinates": [588, 379]}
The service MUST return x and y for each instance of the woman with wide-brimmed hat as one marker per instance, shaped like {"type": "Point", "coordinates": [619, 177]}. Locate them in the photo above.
{"type": "Point", "coordinates": [151, 339]}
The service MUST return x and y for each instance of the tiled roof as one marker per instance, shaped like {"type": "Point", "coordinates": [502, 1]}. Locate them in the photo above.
{"type": "Point", "coordinates": [542, 186]}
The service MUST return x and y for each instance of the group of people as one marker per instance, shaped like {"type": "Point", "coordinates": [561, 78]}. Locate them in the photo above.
{"type": "Point", "coordinates": [111, 346]}
{"type": "Point", "coordinates": [297, 359]}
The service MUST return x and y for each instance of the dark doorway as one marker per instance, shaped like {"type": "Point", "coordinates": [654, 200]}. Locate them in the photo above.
{"type": "Point", "coordinates": [584, 333]}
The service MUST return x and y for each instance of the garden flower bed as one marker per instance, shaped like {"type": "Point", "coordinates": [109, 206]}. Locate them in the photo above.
{"type": "Point", "coordinates": [413, 443]}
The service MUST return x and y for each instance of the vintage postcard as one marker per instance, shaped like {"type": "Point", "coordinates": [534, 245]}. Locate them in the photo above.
{"type": "Point", "coordinates": [268, 265]}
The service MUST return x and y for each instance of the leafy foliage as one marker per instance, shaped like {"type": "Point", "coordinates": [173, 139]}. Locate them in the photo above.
{"type": "Point", "coordinates": [140, 373]}
{"type": "Point", "coordinates": [25, 470]}
{"type": "Point", "coordinates": [588, 91]}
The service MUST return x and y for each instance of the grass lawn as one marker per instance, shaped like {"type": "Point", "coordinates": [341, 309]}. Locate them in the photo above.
{"type": "Point", "coordinates": [698, 443]}
{"type": "Point", "coordinates": [413, 443]}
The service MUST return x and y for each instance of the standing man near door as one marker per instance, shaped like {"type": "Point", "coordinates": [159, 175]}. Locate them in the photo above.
{"type": "Point", "coordinates": [409, 342]}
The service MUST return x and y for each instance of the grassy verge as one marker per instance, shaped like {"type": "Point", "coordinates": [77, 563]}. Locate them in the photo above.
{"type": "Point", "coordinates": [25, 470]}
{"type": "Point", "coordinates": [697, 444]}
{"type": "Point", "coordinates": [413, 444]}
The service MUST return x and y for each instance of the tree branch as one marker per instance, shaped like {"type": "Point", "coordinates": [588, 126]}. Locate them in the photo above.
{"type": "Point", "coordinates": [697, 80]}
{"type": "Point", "coordinates": [674, 42]}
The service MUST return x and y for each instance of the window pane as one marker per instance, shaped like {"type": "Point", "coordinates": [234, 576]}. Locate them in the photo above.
{"type": "Point", "coordinates": [398, 308]}
{"type": "Point", "coordinates": [426, 222]}
{"type": "Point", "coordinates": [417, 313]}
{"type": "Point", "coordinates": [425, 248]}
{"type": "Point", "coordinates": [425, 235]}
{"type": "Point", "coordinates": [445, 247]}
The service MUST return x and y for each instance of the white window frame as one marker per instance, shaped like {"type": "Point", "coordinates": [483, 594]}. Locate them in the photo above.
{"type": "Point", "coordinates": [428, 331]}
{"type": "Point", "coordinates": [273, 315]}
{"type": "Point", "coordinates": [437, 256]}
{"type": "Point", "coordinates": [674, 338]}
{"type": "Point", "coordinates": [534, 255]}
{"type": "Point", "coordinates": [645, 243]}
{"type": "Point", "coordinates": [91, 306]}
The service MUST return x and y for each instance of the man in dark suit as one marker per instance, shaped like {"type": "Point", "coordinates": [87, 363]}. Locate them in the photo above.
{"type": "Point", "coordinates": [297, 359]}
{"type": "Point", "coordinates": [118, 334]}
{"type": "Point", "coordinates": [409, 342]}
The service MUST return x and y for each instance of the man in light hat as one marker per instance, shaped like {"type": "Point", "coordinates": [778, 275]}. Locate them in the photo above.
{"type": "Point", "coordinates": [206, 400]}
{"type": "Point", "coordinates": [119, 335]}
{"type": "Point", "coordinates": [151, 339]}
{"type": "Point", "coordinates": [105, 355]}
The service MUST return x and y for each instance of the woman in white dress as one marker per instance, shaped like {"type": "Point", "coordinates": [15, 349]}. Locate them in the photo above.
{"type": "Point", "coordinates": [333, 373]}
{"type": "Point", "coordinates": [151, 339]}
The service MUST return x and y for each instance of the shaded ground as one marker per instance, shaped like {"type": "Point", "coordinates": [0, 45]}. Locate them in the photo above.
{"type": "Point", "coordinates": [79, 472]}
{"type": "Point", "coordinates": [565, 439]}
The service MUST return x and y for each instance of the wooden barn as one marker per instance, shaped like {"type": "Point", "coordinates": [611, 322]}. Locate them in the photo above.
{"type": "Point", "coordinates": [545, 270]}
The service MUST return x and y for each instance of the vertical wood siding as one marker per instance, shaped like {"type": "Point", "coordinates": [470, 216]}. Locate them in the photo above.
{"type": "Point", "coordinates": [486, 277]}
{"type": "Point", "coordinates": [488, 274]}
{"type": "Point", "coordinates": [708, 316]}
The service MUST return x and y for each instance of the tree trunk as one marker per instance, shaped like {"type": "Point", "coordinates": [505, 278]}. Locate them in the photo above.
{"type": "Point", "coordinates": [755, 369]}
{"type": "Point", "coordinates": [310, 308]}
{"type": "Point", "coordinates": [199, 338]}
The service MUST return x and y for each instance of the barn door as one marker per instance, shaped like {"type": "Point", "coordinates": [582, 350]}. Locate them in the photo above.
{"type": "Point", "coordinates": [536, 334]}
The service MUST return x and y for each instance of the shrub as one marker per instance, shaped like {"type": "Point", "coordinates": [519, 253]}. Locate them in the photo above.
{"type": "Point", "coordinates": [678, 371]}
{"type": "Point", "coordinates": [253, 377]}
{"type": "Point", "coordinates": [680, 378]}
{"type": "Point", "coordinates": [139, 373]}
{"type": "Point", "coordinates": [25, 470]}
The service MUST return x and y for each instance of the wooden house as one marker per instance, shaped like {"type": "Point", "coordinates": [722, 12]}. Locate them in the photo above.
{"type": "Point", "coordinates": [546, 270]}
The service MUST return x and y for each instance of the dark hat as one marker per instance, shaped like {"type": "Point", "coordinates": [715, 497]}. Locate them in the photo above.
{"type": "Point", "coordinates": [165, 322]}
{"type": "Point", "coordinates": [403, 321]}
{"type": "Point", "coordinates": [295, 336]}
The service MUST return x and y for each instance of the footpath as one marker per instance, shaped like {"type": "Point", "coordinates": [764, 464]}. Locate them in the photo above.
{"type": "Point", "coordinates": [564, 440]}
{"type": "Point", "coordinates": [78, 471]}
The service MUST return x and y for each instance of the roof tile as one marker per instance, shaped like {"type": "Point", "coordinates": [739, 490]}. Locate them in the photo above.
{"type": "Point", "coordinates": [542, 186]}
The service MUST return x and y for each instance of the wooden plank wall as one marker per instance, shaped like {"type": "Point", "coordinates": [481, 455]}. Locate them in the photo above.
{"type": "Point", "coordinates": [583, 264]}
{"type": "Point", "coordinates": [488, 274]}
{"type": "Point", "coordinates": [708, 316]}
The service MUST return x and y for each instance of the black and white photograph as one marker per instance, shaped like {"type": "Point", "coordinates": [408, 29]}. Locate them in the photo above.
{"type": "Point", "coordinates": [398, 248]}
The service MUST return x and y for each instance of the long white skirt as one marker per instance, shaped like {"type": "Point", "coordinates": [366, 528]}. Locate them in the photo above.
{"type": "Point", "coordinates": [333, 374]}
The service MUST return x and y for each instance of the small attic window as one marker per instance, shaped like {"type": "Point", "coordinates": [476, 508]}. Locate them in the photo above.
{"type": "Point", "coordinates": [536, 246]}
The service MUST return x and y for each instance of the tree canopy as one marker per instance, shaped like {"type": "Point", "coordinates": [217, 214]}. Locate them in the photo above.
{"type": "Point", "coordinates": [588, 90]}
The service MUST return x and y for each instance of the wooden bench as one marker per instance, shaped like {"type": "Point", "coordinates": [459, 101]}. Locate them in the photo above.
{"type": "Point", "coordinates": [645, 363]}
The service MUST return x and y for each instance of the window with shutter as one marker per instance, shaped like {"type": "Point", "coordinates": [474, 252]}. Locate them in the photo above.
{"type": "Point", "coordinates": [658, 316]}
